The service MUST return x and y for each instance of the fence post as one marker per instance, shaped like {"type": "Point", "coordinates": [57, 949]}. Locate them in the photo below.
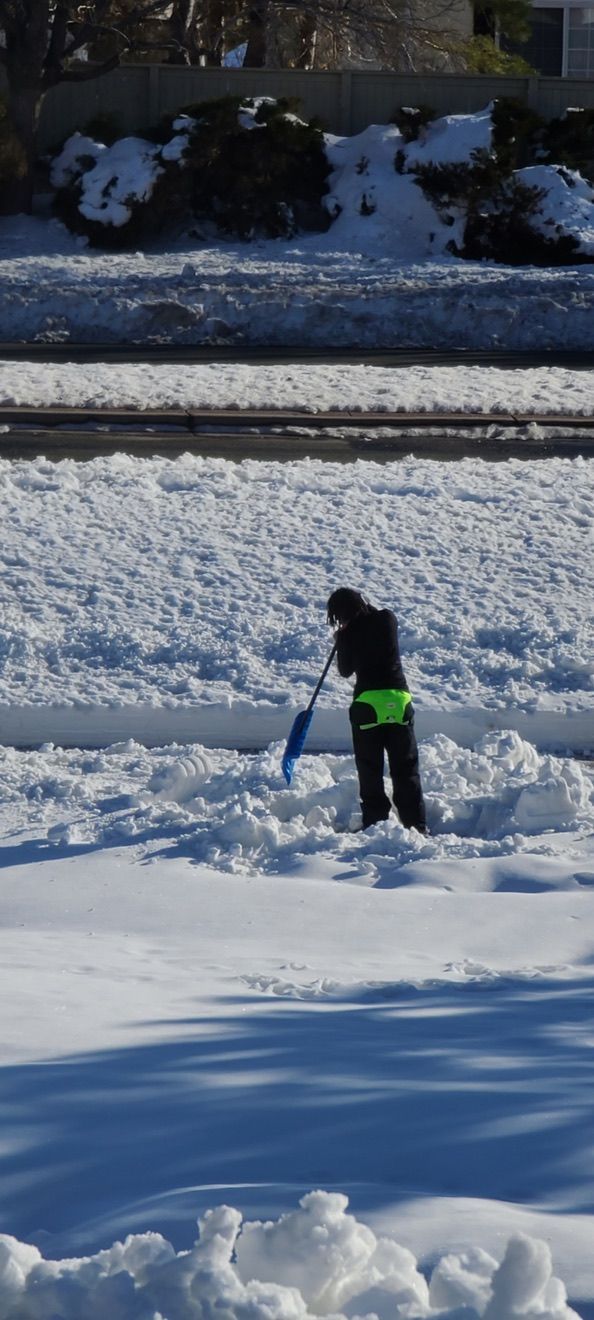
{"type": "Point", "coordinates": [345, 103]}
{"type": "Point", "coordinates": [533, 92]}
{"type": "Point", "coordinates": [154, 79]}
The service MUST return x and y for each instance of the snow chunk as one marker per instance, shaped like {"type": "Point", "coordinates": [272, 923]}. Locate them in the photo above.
{"type": "Point", "coordinates": [307, 1263]}
{"type": "Point", "coordinates": [524, 1284]}
{"type": "Point", "coordinates": [329, 1257]}
{"type": "Point", "coordinates": [178, 781]}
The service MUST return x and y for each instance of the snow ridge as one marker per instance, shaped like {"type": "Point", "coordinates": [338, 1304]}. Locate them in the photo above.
{"type": "Point", "coordinates": [314, 1261]}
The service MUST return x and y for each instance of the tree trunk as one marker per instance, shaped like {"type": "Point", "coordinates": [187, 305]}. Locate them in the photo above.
{"type": "Point", "coordinates": [182, 28]}
{"type": "Point", "coordinates": [257, 35]}
{"type": "Point", "coordinates": [24, 106]}
{"type": "Point", "coordinates": [307, 36]}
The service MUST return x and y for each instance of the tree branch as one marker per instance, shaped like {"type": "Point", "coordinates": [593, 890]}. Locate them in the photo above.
{"type": "Point", "coordinates": [91, 71]}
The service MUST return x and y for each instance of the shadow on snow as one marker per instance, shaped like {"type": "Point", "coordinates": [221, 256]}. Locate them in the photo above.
{"type": "Point", "coordinates": [466, 1091]}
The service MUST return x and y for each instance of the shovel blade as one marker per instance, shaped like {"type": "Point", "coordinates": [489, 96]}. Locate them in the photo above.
{"type": "Point", "coordinates": [296, 742]}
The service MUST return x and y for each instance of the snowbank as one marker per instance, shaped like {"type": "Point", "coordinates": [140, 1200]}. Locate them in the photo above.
{"type": "Point", "coordinates": [233, 812]}
{"type": "Point", "coordinates": [315, 1261]}
{"type": "Point", "coordinates": [380, 276]}
{"type": "Point", "coordinates": [376, 209]}
{"type": "Point", "coordinates": [314, 291]}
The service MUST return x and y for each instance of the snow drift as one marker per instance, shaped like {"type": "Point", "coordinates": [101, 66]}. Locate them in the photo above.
{"type": "Point", "coordinates": [315, 1261]}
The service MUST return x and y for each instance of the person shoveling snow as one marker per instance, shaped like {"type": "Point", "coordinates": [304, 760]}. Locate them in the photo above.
{"type": "Point", "coordinates": [381, 713]}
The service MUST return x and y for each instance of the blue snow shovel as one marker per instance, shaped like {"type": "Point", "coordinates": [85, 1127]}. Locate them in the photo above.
{"type": "Point", "coordinates": [301, 723]}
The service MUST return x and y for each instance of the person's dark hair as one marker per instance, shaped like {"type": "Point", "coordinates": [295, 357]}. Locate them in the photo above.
{"type": "Point", "coordinates": [344, 604]}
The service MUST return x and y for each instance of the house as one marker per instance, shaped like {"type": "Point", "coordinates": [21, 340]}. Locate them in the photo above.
{"type": "Point", "coordinates": [561, 43]}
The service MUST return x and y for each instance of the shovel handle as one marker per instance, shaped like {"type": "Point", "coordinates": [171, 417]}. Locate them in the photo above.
{"type": "Point", "coordinates": [321, 679]}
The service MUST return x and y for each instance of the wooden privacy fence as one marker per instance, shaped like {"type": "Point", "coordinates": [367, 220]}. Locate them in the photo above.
{"type": "Point", "coordinates": [346, 102]}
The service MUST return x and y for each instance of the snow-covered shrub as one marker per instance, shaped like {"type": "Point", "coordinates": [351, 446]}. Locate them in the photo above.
{"type": "Point", "coordinates": [411, 119]}
{"type": "Point", "coordinates": [116, 195]}
{"type": "Point", "coordinates": [569, 141]}
{"type": "Point", "coordinates": [516, 131]}
{"type": "Point", "coordinates": [507, 218]}
{"type": "Point", "coordinates": [251, 167]}
{"type": "Point", "coordinates": [256, 168]}
{"type": "Point", "coordinates": [507, 227]}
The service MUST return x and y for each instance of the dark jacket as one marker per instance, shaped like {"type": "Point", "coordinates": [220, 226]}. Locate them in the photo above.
{"type": "Point", "coordinates": [368, 648]}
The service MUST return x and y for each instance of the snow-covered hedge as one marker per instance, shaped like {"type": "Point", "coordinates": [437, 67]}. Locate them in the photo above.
{"type": "Point", "coordinates": [250, 167]}
{"type": "Point", "coordinates": [476, 186]}
{"type": "Point", "coordinates": [316, 1261]}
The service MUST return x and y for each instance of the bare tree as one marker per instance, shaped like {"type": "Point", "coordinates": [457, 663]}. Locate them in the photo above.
{"type": "Point", "coordinates": [408, 35]}
{"type": "Point", "coordinates": [44, 44]}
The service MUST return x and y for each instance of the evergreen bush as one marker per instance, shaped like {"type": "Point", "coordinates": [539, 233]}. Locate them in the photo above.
{"type": "Point", "coordinates": [139, 215]}
{"type": "Point", "coordinates": [517, 131]}
{"type": "Point", "coordinates": [251, 167]}
{"type": "Point", "coordinates": [267, 178]}
{"type": "Point", "coordinates": [569, 141]}
{"type": "Point", "coordinates": [501, 230]}
{"type": "Point", "coordinates": [499, 210]}
{"type": "Point", "coordinates": [104, 127]}
{"type": "Point", "coordinates": [411, 119]}
{"type": "Point", "coordinates": [461, 184]}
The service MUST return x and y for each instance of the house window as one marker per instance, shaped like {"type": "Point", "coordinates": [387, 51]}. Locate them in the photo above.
{"type": "Point", "coordinates": [544, 48]}
{"type": "Point", "coordinates": [580, 42]}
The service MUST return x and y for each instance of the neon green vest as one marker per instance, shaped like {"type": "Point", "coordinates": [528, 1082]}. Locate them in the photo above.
{"type": "Point", "coordinates": [389, 705]}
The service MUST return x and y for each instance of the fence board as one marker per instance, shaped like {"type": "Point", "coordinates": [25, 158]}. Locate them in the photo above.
{"type": "Point", "coordinates": [345, 102]}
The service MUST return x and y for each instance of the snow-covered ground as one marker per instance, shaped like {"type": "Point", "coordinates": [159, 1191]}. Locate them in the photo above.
{"type": "Point", "coordinates": [214, 993]}
{"type": "Point", "coordinates": [193, 580]}
{"type": "Point", "coordinates": [382, 275]}
{"type": "Point", "coordinates": [310, 291]}
{"type": "Point", "coordinates": [303, 388]}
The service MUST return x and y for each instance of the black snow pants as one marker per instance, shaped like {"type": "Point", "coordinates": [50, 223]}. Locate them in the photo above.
{"type": "Point", "coordinates": [398, 741]}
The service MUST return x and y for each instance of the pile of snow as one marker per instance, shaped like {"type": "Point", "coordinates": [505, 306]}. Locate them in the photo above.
{"type": "Point", "coordinates": [233, 812]}
{"type": "Point", "coordinates": [488, 801]}
{"type": "Point", "coordinates": [452, 140]}
{"type": "Point", "coordinates": [313, 291]}
{"type": "Point", "coordinates": [373, 207]}
{"type": "Point", "coordinates": [376, 206]}
{"type": "Point", "coordinates": [315, 1261]}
